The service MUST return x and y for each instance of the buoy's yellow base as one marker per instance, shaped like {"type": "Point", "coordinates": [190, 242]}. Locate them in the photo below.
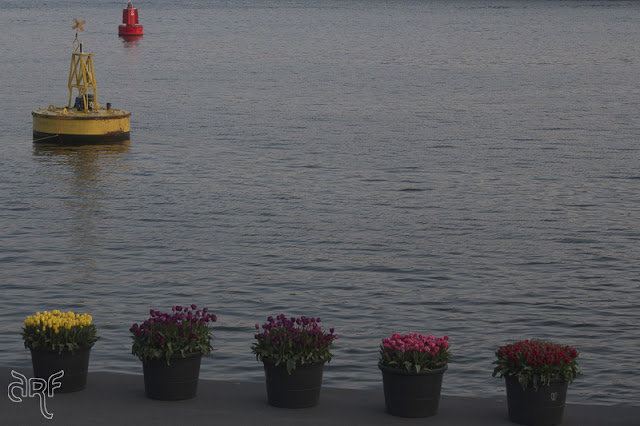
{"type": "Point", "coordinates": [72, 126]}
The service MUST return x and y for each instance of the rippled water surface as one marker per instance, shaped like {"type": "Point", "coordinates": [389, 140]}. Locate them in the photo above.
{"type": "Point", "coordinates": [468, 168]}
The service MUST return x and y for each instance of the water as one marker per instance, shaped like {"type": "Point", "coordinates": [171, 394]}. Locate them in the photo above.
{"type": "Point", "coordinates": [467, 168]}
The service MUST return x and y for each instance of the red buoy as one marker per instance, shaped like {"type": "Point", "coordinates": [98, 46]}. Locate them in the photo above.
{"type": "Point", "coordinates": [130, 26]}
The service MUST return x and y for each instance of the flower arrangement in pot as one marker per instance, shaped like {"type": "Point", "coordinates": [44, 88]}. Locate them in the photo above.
{"type": "Point", "coordinates": [412, 368]}
{"type": "Point", "coordinates": [537, 374]}
{"type": "Point", "coordinates": [60, 341]}
{"type": "Point", "coordinates": [293, 352]}
{"type": "Point", "coordinates": [170, 346]}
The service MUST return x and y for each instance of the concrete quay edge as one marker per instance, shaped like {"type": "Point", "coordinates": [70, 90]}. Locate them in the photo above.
{"type": "Point", "coordinates": [119, 399]}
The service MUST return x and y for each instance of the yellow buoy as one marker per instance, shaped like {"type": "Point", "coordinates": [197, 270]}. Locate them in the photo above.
{"type": "Point", "coordinates": [84, 122]}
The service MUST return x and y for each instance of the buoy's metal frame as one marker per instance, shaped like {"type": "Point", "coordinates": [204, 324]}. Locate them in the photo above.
{"type": "Point", "coordinates": [82, 70]}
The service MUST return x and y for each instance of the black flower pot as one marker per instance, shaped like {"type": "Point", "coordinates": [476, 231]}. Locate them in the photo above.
{"type": "Point", "coordinates": [300, 389]}
{"type": "Point", "coordinates": [542, 407]}
{"type": "Point", "coordinates": [47, 361]}
{"type": "Point", "coordinates": [173, 382]}
{"type": "Point", "coordinates": [411, 394]}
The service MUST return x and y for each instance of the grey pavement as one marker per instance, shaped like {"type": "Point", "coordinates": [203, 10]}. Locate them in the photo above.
{"type": "Point", "coordinates": [119, 399]}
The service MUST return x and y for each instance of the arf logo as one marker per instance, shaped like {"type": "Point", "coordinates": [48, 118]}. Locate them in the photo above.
{"type": "Point", "coordinates": [35, 386]}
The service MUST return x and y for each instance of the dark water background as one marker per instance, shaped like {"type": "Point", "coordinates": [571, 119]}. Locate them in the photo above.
{"type": "Point", "coordinates": [468, 168]}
